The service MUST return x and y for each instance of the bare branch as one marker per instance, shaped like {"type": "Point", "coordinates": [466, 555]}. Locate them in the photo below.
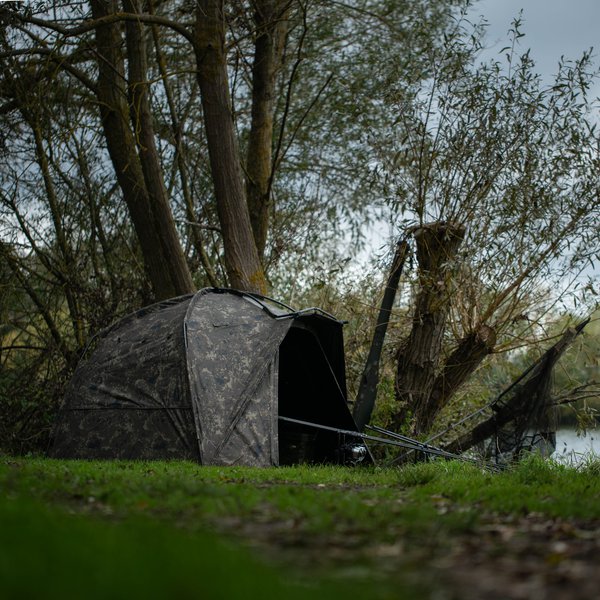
{"type": "Point", "coordinates": [116, 17]}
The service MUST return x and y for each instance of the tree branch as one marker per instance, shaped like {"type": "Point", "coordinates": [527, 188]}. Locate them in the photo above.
{"type": "Point", "coordinates": [106, 20]}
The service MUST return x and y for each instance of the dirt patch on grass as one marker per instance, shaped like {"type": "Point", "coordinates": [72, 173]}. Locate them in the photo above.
{"type": "Point", "coordinates": [503, 558]}
{"type": "Point", "coordinates": [525, 558]}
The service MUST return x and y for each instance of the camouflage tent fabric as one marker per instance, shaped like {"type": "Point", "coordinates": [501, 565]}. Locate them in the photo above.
{"type": "Point", "coordinates": [205, 377]}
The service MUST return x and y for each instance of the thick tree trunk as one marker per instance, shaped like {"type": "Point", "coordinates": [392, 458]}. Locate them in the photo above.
{"type": "Point", "coordinates": [195, 232]}
{"type": "Point", "coordinates": [271, 28]}
{"type": "Point", "coordinates": [242, 262]}
{"type": "Point", "coordinates": [367, 392]}
{"type": "Point", "coordinates": [142, 121]}
{"type": "Point", "coordinates": [122, 149]}
{"type": "Point", "coordinates": [419, 356]}
{"type": "Point", "coordinates": [459, 366]}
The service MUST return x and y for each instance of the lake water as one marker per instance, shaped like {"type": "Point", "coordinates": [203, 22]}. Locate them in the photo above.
{"type": "Point", "coordinates": [571, 448]}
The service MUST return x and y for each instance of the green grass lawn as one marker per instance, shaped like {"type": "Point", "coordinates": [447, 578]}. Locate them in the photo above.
{"type": "Point", "coordinates": [155, 529]}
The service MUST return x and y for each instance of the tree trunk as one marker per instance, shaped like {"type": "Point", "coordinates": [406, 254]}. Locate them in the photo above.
{"type": "Point", "coordinates": [271, 28]}
{"type": "Point", "coordinates": [244, 269]}
{"type": "Point", "coordinates": [367, 392]}
{"type": "Point", "coordinates": [459, 366]}
{"type": "Point", "coordinates": [122, 149]}
{"type": "Point", "coordinates": [419, 356]}
{"type": "Point", "coordinates": [195, 232]}
{"type": "Point", "coordinates": [142, 121]}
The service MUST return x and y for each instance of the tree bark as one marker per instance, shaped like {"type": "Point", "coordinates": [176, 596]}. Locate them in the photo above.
{"type": "Point", "coordinates": [271, 29]}
{"type": "Point", "coordinates": [419, 355]}
{"type": "Point", "coordinates": [122, 149]}
{"type": "Point", "coordinates": [143, 127]}
{"type": "Point", "coordinates": [459, 366]}
{"type": "Point", "coordinates": [242, 262]}
{"type": "Point", "coordinates": [176, 127]}
{"type": "Point", "coordinates": [367, 392]}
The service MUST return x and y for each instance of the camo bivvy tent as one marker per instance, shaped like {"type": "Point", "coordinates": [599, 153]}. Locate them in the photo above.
{"type": "Point", "coordinates": [206, 377]}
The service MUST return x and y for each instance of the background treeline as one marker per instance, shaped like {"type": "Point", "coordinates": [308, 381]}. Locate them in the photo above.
{"type": "Point", "coordinates": [149, 149]}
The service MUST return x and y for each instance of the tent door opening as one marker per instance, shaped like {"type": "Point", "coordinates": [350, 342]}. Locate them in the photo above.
{"type": "Point", "coordinates": [308, 391]}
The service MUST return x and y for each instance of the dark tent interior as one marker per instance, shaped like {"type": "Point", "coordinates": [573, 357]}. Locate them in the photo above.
{"type": "Point", "coordinates": [312, 388]}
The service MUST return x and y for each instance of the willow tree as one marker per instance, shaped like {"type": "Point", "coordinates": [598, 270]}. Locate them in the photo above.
{"type": "Point", "coordinates": [496, 176]}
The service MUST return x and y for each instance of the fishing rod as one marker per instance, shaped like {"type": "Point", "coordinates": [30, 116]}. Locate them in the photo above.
{"type": "Point", "coordinates": [423, 446]}
{"type": "Point", "coordinates": [401, 441]}
{"type": "Point", "coordinates": [427, 448]}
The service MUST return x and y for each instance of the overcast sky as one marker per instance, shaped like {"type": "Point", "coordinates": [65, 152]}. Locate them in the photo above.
{"type": "Point", "coordinates": [552, 28]}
